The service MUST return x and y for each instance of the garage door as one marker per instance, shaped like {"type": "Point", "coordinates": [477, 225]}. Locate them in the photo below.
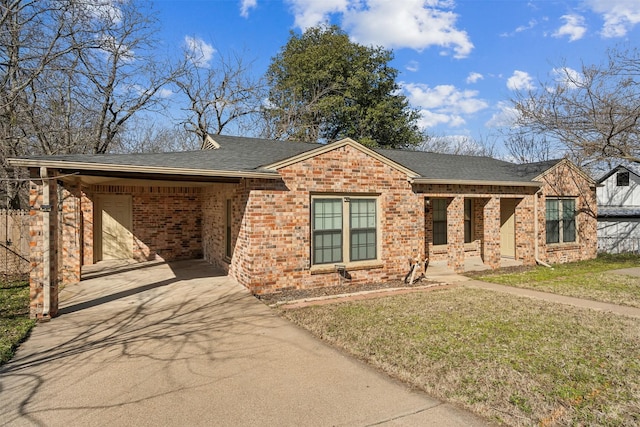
{"type": "Point", "coordinates": [116, 239]}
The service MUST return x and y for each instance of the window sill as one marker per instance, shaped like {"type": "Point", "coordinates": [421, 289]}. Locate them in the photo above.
{"type": "Point", "coordinates": [562, 246]}
{"type": "Point", "coordinates": [354, 266]}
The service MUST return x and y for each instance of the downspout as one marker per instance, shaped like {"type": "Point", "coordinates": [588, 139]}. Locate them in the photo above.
{"type": "Point", "coordinates": [535, 231]}
{"type": "Point", "coordinates": [45, 207]}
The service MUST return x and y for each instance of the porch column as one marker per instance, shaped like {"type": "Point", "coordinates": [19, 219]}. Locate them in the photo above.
{"type": "Point", "coordinates": [491, 240]}
{"type": "Point", "coordinates": [43, 276]}
{"type": "Point", "coordinates": [71, 231]}
{"type": "Point", "coordinates": [455, 234]}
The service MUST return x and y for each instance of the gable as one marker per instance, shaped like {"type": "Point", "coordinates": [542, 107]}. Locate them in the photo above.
{"type": "Point", "coordinates": [335, 146]}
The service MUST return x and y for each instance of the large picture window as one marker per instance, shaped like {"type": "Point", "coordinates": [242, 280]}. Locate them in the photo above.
{"type": "Point", "coordinates": [561, 220]}
{"type": "Point", "coordinates": [344, 229]}
{"type": "Point", "coordinates": [439, 221]}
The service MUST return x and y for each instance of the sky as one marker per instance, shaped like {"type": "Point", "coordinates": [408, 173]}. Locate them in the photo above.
{"type": "Point", "coordinates": [459, 62]}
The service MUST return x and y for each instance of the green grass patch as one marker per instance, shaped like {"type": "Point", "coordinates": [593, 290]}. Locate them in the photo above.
{"type": "Point", "coordinates": [585, 279]}
{"type": "Point", "coordinates": [15, 324]}
{"type": "Point", "coordinates": [513, 360]}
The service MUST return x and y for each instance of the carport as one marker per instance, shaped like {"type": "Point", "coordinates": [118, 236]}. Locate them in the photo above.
{"type": "Point", "coordinates": [85, 212]}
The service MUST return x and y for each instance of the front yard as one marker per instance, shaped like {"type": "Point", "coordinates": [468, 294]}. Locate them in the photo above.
{"type": "Point", "coordinates": [513, 360]}
{"type": "Point", "coordinates": [585, 279]}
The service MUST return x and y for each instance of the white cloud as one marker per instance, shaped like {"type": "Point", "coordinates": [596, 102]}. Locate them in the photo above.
{"type": "Point", "coordinates": [200, 52]}
{"type": "Point", "coordinates": [505, 116]}
{"type": "Point", "coordinates": [413, 66]}
{"type": "Point", "coordinates": [574, 27]}
{"type": "Point", "coordinates": [104, 10]}
{"type": "Point", "coordinates": [165, 93]}
{"type": "Point", "coordinates": [520, 80]}
{"type": "Point", "coordinates": [619, 16]}
{"type": "Point", "coordinates": [415, 24]}
{"type": "Point", "coordinates": [473, 77]}
{"type": "Point", "coordinates": [443, 104]}
{"type": "Point", "coordinates": [246, 6]}
{"type": "Point", "coordinates": [568, 77]}
{"type": "Point", "coordinates": [309, 13]}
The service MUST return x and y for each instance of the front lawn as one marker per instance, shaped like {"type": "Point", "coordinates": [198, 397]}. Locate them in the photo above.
{"type": "Point", "coordinates": [15, 324]}
{"type": "Point", "coordinates": [584, 279]}
{"type": "Point", "coordinates": [513, 360]}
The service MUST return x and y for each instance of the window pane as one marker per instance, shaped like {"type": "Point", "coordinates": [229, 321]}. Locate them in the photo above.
{"type": "Point", "coordinates": [327, 231]}
{"type": "Point", "coordinates": [622, 179]}
{"type": "Point", "coordinates": [327, 247]}
{"type": "Point", "coordinates": [568, 220]}
{"type": "Point", "coordinates": [552, 210]}
{"type": "Point", "coordinates": [327, 214]}
{"type": "Point", "coordinates": [363, 229]}
{"type": "Point", "coordinates": [363, 213]}
{"type": "Point", "coordinates": [553, 231]}
{"type": "Point", "coordinates": [439, 233]}
{"type": "Point", "coordinates": [439, 209]}
{"type": "Point", "coordinates": [439, 221]}
{"type": "Point", "coordinates": [468, 215]}
{"type": "Point", "coordinates": [363, 245]}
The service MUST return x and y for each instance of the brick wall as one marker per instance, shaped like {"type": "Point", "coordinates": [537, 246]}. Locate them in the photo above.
{"type": "Point", "coordinates": [273, 248]}
{"type": "Point", "coordinates": [39, 275]}
{"type": "Point", "coordinates": [166, 221]}
{"type": "Point", "coordinates": [566, 181]}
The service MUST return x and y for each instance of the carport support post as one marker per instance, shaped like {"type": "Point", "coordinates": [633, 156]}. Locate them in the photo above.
{"type": "Point", "coordinates": [43, 277]}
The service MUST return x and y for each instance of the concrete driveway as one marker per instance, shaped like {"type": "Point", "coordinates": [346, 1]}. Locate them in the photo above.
{"type": "Point", "coordinates": [182, 344]}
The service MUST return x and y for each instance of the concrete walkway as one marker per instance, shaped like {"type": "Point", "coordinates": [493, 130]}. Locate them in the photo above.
{"type": "Point", "coordinates": [181, 344]}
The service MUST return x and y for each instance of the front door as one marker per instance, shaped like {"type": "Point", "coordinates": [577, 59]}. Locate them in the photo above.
{"type": "Point", "coordinates": [116, 239]}
{"type": "Point", "coordinates": [508, 227]}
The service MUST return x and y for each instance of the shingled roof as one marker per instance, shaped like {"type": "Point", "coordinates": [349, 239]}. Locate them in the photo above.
{"type": "Point", "coordinates": [240, 156]}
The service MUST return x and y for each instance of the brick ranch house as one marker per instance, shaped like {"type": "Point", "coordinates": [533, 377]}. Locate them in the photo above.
{"type": "Point", "coordinates": [278, 215]}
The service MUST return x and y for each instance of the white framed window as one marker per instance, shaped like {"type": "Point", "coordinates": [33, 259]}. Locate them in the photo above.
{"type": "Point", "coordinates": [344, 229]}
{"type": "Point", "coordinates": [561, 220]}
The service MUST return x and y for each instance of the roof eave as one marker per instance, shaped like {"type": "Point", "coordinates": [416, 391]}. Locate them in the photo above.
{"type": "Point", "coordinates": [476, 182]}
{"type": "Point", "coordinates": [106, 167]}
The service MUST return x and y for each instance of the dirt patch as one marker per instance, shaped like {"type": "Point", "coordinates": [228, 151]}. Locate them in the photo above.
{"type": "Point", "coordinates": [298, 294]}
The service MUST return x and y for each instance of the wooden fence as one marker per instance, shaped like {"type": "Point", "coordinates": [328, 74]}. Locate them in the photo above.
{"type": "Point", "coordinates": [14, 242]}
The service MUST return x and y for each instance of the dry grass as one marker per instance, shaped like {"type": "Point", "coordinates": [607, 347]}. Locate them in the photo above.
{"type": "Point", "coordinates": [513, 360]}
{"type": "Point", "coordinates": [585, 279]}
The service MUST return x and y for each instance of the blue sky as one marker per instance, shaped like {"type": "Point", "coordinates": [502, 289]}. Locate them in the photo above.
{"type": "Point", "coordinates": [459, 61]}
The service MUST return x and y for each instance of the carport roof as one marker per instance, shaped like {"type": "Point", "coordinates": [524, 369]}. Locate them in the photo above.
{"type": "Point", "coordinates": [251, 157]}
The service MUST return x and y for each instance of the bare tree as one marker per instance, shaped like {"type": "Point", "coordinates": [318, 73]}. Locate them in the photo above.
{"type": "Point", "coordinates": [146, 136]}
{"type": "Point", "coordinates": [220, 96]}
{"type": "Point", "coordinates": [593, 113]}
{"type": "Point", "coordinates": [523, 148]}
{"type": "Point", "coordinates": [459, 144]}
{"type": "Point", "coordinates": [124, 74]}
{"type": "Point", "coordinates": [73, 73]}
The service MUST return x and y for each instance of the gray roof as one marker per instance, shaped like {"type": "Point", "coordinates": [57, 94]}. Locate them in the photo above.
{"type": "Point", "coordinates": [240, 154]}
{"type": "Point", "coordinates": [235, 154]}
{"type": "Point", "coordinates": [456, 167]}
{"type": "Point", "coordinates": [628, 167]}
{"type": "Point", "coordinates": [618, 212]}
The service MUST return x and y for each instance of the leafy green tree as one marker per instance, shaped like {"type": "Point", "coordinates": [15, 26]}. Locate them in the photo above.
{"type": "Point", "coordinates": [322, 86]}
